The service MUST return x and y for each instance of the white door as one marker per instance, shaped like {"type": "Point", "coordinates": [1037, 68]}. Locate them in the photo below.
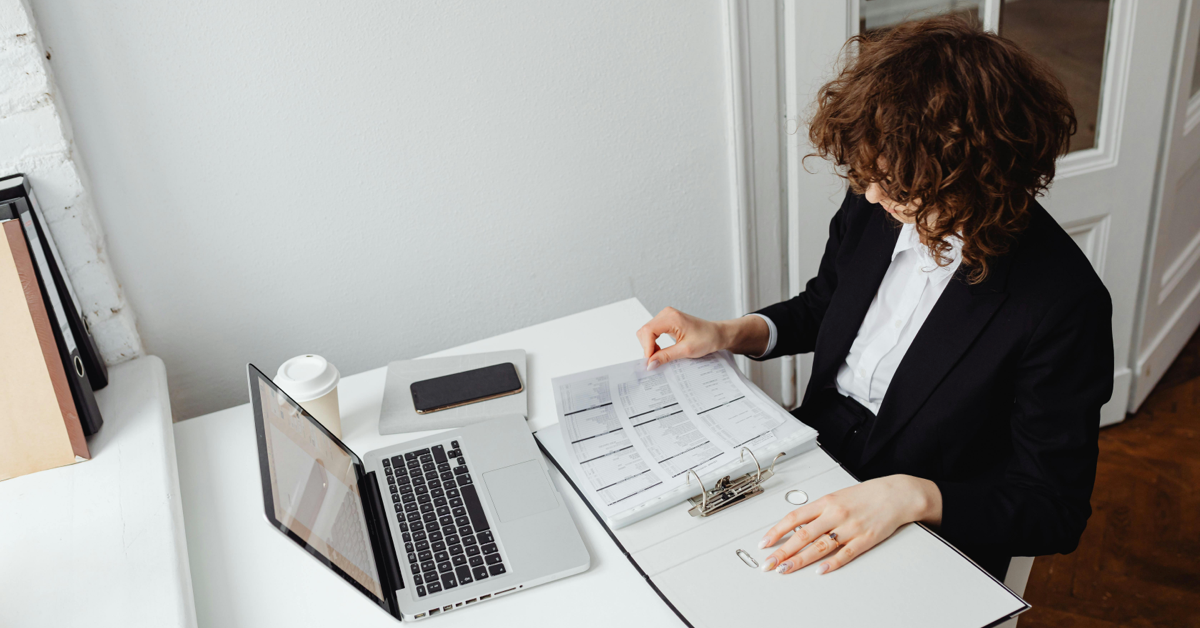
{"type": "Point", "coordinates": [1114, 57]}
{"type": "Point", "coordinates": [1170, 303]}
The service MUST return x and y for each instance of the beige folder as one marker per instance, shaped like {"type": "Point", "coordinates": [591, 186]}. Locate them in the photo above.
{"type": "Point", "coordinates": [39, 426]}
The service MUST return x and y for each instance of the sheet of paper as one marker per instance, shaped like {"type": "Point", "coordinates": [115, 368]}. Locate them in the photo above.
{"type": "Point", "coordinates": [634, 434]}
{"type": "Point", "coordinates": [719, 398]}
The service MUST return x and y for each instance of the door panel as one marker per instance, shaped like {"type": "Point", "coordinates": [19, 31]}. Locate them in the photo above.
{"type": "Point", "coordinates": [1171, 296]}
{"type": "Point", "coordinates": [1091, 235]}
{"type": "Point", "coordinates": [1112, 184]}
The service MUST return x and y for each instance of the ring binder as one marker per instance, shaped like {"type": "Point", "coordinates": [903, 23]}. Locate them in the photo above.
{"type": "Point", "coordinates": [727, 493]}
{"type": "Point", "coordinates": [694, 565]}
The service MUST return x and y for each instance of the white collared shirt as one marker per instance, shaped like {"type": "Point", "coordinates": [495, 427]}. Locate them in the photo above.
{"type": "Point", "coordinates": [910, 288]}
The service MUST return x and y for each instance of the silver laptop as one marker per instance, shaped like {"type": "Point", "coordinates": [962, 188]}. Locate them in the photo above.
{"type": "Point", "coordinates": [423, 527]}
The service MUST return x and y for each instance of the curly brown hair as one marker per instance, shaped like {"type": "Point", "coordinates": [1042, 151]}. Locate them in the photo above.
{"type": "Point", "coordinates": [959, 124]}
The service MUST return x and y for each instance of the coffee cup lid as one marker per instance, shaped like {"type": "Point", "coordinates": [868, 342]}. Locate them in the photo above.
{"type": "Point", "coordinates": [306, 377]}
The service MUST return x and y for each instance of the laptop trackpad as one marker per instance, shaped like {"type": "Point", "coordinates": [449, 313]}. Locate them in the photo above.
{"type": "Point", "coordinates": [520, 490]}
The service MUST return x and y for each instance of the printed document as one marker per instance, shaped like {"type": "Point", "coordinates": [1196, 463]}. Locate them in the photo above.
{"type": "Point", "coordinates": [634, 434]}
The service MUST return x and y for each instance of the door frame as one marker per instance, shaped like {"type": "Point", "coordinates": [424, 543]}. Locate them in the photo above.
{"type": "Point", "coordinates": [754, 70]}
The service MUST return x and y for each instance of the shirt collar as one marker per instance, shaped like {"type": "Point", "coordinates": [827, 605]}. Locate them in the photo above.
{"type": "Point", "coordinates": [910, 239]}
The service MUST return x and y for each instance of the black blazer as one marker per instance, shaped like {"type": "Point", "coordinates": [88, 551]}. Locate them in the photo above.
{"type": "Point", "coordinates": [997, 399]}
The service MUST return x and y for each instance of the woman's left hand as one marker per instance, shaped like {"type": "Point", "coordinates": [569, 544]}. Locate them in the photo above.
{"type": "Point", "coordinates": [842, 525]}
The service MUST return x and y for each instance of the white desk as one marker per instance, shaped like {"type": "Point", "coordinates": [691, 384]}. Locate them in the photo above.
{"type": "Point", "coordinates": [245, 573]}
{"type": "Point", "coordinates": [101, 543]}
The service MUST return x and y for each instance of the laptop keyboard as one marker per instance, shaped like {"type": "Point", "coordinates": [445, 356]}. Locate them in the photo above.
{"type": "Point", "coordinates": [446, 533]}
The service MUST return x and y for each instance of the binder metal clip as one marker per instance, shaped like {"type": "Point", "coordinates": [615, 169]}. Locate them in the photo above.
{"type": "Point", "coordinates": [729, 492]}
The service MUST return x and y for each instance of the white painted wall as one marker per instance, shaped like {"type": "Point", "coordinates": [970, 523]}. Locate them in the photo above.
{"type": "Point", "coordinates": [376, 180]}
{"type": "Point", "coordinates": [36, 140]}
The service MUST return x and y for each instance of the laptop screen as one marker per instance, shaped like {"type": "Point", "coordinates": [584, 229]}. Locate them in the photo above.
{"type": "Point", "coordinates": [310, 486]}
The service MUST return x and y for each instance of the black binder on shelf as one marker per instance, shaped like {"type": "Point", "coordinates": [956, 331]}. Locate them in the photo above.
{"type": "Point", "coordinates": [17, 186]}
{"type": "Point", "coordinates": [39, 422]}
{"type": "Point", "coordinates": [68, 346]}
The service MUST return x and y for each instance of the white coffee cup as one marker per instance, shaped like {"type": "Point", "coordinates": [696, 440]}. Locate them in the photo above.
{"type": "Point", "coordinates": [312, 382]}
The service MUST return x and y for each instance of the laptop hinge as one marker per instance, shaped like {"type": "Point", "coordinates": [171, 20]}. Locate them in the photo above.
{"type": "Point", "coordinates": [385, 549]}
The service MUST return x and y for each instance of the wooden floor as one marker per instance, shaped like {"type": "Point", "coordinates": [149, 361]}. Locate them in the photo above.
{"type": "Point", "coordinates": [1139, 561]}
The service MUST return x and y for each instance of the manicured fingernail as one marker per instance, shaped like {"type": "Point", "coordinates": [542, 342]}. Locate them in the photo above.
{"type": "Point", "coordinates": [823, 568]}
{"type": "Point", "coordinates": [770, 564]}
{"type": "Point", "coordinates": [784, 568]}
{"type": "Point", "coordinates": [764, 542]}
{"type": "Point", "coordinates": [650, 365]}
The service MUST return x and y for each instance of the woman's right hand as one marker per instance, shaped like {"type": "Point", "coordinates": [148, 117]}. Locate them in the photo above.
{"type": "Point", "coordinates": [696, 337]}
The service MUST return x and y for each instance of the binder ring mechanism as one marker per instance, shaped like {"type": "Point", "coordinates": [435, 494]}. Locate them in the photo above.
{"type": "Point", "coordinates": [729, 492]}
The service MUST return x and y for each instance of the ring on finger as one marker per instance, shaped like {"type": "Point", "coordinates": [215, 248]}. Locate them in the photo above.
{"type": "Point", "coordinates": [818, 549]}
{"type": "Point", "coordinates": [833, 537]}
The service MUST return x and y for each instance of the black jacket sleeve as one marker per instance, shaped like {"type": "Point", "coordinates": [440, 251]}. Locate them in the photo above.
{"type": "Point", "coordinates": [1042, 503]}
{"type": "Point", "coordinates": [798, 319]}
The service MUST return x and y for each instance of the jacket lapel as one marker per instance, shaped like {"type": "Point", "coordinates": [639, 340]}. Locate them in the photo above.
{"type": "Point", "coordinates": [959, 316]}
{"type": "Point", "coordinates": [855, 291]}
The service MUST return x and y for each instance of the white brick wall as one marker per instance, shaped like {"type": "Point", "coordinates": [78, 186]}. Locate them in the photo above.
{"type": "Point", "coordinates": [35, 138]}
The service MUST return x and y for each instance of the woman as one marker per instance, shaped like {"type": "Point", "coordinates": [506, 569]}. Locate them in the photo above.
{"type": "Point", "coordinates": [962, 342]}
